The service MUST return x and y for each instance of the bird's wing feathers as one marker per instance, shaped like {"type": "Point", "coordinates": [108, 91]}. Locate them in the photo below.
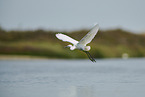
{"type": "Point", "coordinates": [66, 38]}
{"type": "Point", "coordinates": [90, 35]}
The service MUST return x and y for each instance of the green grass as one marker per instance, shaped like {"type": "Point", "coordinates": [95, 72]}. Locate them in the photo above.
{"type": "Point", "coordinates": [107, 44]}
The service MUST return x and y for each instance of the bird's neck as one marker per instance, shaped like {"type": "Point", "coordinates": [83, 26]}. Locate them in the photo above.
{"type": "Point", "coordinates": [72, 47]}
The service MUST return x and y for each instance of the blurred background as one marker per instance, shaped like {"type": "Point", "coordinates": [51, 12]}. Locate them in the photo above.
{"type": "Point", "coordinates": [27, 31]}
{"type": "Point", "coordinates": [28, 27]}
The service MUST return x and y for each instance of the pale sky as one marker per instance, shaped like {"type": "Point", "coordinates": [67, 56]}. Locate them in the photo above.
{"type": "Point", "coordinates": [72, 14]}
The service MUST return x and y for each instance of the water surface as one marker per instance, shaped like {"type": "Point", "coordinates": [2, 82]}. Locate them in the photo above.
{"type": "Point", "coordinates": [72, 78]}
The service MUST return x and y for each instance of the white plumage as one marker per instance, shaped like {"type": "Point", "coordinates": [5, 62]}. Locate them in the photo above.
{"type": "Point", "coordinates": [81, 45]}
{"type": "Point", "coordinates": [90, 35]}
{"type": "Point", "coordinates": [66, 38]}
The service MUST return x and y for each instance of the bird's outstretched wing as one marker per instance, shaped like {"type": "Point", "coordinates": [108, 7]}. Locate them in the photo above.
{"type": "Point", "coordinates": [90, 35]}
{"type": "Point", "coordinates": [66, 38]}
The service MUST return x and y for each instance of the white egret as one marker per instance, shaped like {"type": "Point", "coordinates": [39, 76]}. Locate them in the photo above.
{"type": "Point", "coordinates": [82, 44]}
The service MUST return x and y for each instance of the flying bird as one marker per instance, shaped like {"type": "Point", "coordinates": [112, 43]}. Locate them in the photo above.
{"type": "Point", "coordinates": [82, 44]}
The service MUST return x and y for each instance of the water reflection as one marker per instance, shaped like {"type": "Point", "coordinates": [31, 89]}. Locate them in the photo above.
{"type": "Point", "coordinates": [74, 91]}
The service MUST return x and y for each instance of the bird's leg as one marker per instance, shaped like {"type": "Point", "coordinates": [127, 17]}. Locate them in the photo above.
{"type": "Point", "coordinates": [89, 55]}
{"type": "Point", "coordinates": [92, 57]}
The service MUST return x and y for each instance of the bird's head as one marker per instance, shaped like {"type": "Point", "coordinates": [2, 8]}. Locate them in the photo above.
{"type": "Point", "coordinates": [70, 46]}
{"type": "Point", "coordinates": [87, 48]}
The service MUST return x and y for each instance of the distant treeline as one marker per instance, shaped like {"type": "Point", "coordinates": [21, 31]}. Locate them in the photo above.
{"type": "Point", "coordinates": [106, 44]}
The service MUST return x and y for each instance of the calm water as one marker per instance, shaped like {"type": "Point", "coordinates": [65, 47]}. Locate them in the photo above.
{"type": "Point", "coordinates": [72, 78]}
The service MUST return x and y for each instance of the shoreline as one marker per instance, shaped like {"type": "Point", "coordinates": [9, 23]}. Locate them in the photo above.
{"type": "Point", "coordinates": [17, 57]}
{"type": "Point", "coordinates": [29, 57]}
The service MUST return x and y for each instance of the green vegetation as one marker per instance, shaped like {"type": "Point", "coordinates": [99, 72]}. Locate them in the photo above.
{"type": "Point", "coordinates": [107, 44]}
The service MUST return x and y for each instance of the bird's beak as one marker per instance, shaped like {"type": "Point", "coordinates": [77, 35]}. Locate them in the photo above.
{"type": "Point", "coordinates": [66, 47]}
